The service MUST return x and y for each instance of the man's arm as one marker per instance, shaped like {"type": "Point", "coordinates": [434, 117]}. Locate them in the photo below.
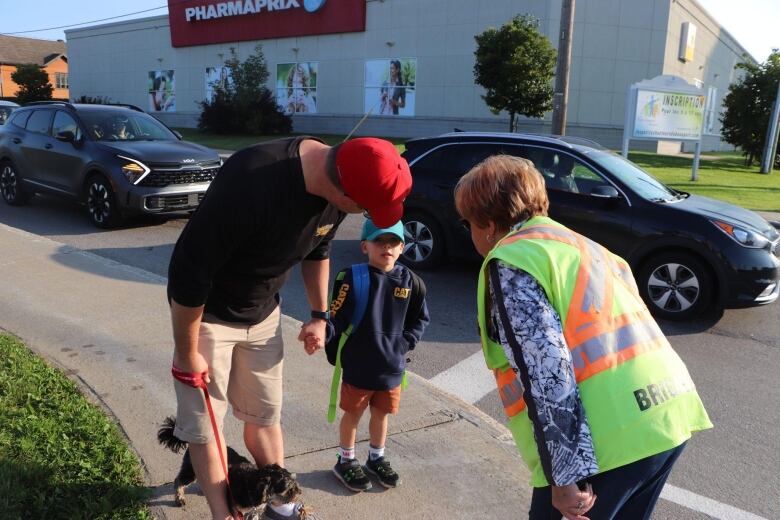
{"type": "Point", "coordinates": [315, 279]}
{"type": "Point", "coordinates": [186, 324]}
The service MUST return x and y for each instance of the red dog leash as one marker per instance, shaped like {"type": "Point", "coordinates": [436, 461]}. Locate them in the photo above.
{"type": "Point", "coordinates": [199, 381]}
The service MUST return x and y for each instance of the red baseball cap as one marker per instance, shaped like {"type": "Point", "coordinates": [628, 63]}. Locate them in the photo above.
{"type": "Point", "coordinates": [374, 175]}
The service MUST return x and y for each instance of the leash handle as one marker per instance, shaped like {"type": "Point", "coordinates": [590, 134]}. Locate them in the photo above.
{"type": "Point", "coordinates": [198, 380]}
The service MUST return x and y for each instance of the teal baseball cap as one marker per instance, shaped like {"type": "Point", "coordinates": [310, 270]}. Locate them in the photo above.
{"type": "Point", "coordinates": [371, 232]}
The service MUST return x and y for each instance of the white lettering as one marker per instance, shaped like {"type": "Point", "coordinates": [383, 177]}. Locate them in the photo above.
{"type": "Point", "coordinates": [235, 8]}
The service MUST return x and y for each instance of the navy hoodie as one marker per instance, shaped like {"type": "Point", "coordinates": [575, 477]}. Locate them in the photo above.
{"type": "Point", "coordinates": [374, 356]}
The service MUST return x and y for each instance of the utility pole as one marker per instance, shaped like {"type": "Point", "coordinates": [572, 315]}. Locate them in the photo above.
{"type": "Point", "coordinates": [770, 145]}
{"type": "Point", "coordinates": [561, 97]}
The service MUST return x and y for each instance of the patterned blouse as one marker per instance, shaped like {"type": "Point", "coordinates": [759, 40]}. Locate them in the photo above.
{"type": "Point", "coordinates": [541, 359]}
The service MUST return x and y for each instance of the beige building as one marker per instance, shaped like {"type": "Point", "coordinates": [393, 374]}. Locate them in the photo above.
{"type": "Point", "coordinates": [616, 43]}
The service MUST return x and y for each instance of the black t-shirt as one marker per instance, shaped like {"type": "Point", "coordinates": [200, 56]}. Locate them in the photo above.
{"type": "Point", "coordinates": [255, 223]}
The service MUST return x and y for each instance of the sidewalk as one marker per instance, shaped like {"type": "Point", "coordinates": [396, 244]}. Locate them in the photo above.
{"type": "Point", "coordinates": [107, 325]}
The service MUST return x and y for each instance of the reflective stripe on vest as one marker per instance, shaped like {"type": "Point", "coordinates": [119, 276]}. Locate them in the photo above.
{"type": "Point", "coordinates": [597, 340]}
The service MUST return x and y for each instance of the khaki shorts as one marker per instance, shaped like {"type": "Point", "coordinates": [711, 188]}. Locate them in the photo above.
{"type": "Point", "coordinates": [245, 367]}
{"type": "Point", "coordinates": [354, 399]}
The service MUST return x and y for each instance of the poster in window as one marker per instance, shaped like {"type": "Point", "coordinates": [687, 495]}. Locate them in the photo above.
{"type": "Point", "coordinates": [162, 91]}
{"type": "Point", "coordinates": [390, 86]}
{"type": "Point", "coordinates": [217, 78]}
{"type": "Point", "coordinates": [296, 87]}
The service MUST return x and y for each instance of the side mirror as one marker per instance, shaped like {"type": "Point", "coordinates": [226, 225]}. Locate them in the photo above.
{"type": "Point", "coordinates": [66, 136]}
{"type": "Point", "coordinates": [605, 192]}
{"type": "Point", "coordinates": [178, 134]}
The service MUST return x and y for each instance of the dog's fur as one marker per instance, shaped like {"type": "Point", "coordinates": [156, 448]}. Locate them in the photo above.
{"type": "Point", "coordinates": [252, 487]}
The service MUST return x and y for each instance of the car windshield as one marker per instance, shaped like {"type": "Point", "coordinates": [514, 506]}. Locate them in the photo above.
{"type": "Point", "coordinates": [104, 125]}
{"type": "Point", "coordinates": [641, 182]}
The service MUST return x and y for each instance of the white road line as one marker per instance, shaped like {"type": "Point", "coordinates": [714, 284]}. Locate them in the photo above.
{"type": "Point", "coordinates": [470, 380]}
{"type": "Point", "coordinates": [705, 505]}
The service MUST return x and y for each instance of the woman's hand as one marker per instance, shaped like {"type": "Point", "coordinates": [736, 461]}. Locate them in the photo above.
{"type": "Point", "coordinates": [571, 502]}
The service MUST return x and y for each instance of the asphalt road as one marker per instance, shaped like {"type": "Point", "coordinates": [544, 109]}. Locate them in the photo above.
{"type": "Point", "coordinates": [733, 357]}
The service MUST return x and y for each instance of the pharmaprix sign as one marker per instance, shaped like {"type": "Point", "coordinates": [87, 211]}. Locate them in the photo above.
{"type": "Point", "coordinates": [199, 22]}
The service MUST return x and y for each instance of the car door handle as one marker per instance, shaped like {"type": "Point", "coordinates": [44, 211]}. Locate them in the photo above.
{"type": "Point", "coordinates": [47, 146]}
{"type": "Point", "coordinates": [16, 140]}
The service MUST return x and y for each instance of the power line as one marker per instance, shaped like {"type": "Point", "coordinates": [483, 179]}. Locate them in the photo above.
{"type": "Point", "coordinates": [84, 23]}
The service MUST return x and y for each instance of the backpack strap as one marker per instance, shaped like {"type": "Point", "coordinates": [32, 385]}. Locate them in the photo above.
{"type": "Point", "coordinates": [361, 283]}
{"type": "Point", "coordinates": [416, 301]}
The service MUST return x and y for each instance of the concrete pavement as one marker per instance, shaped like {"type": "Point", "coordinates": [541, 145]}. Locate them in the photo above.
{"type": "Point", "coordinates": [107, 326]}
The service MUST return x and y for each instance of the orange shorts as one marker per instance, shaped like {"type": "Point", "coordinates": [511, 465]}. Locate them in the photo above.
{"type": "Point", "coordinates": [354, 399]}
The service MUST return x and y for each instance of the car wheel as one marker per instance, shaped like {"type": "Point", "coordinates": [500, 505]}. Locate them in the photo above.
{"type": "Point", "coordinates": [676, 286]}
{"type": "Point", "coordinates": [11, 186]}
{"type": "Point", "coordinates": [101, 203]}
{"type": "Point", "coordinates": [423, 241]}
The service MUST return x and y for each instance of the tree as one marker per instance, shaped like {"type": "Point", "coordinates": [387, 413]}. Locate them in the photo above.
{"type": "Point", "coordinates": [516, 64]}
{"type": "Point", "coordinates": [33, 83]}
{"type": "Point", "coordinates": [243, 104]}
{"type": "Point", "coordinates": [748, 106]}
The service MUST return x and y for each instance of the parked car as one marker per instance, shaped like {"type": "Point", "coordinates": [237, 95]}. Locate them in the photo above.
{"type": "Point", "coordinates": [6, 107]}
{"type": "Point", "coordinates": [117, 160]}
{"type": "Point", "coordinates": [687, 252]}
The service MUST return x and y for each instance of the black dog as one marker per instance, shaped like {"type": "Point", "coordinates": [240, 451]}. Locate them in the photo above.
{"type": "Point", "coordinates": [252, 487]}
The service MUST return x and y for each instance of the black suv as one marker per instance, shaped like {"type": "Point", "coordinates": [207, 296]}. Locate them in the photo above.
{"type": "Point", "coordinates": [687, 252]}
{"type": "Point", "coordinates": [116, 159]}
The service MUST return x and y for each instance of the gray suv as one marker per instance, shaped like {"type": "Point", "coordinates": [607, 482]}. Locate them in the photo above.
{"type": "Point", "coordinates": [115, 159]}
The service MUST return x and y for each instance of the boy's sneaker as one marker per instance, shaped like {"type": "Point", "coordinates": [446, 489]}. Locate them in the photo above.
{"type": "Point", "coordinates": [300, 513]}
{"type": "Point", "coordinates": [383, 471]}
{"type": "Point", "coordinates": [351, 474]}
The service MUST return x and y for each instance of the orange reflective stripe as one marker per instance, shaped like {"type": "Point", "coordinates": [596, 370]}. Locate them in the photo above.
{"type": "Point", "coordinates": [510, 389]}
{"type": "Point", "coordinates": [597, 339]}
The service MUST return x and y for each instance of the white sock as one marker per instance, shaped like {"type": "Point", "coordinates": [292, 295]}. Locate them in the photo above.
{"type": "Point", "coordinates": [284, 509]}
{"type": "Point", "coordinates": [375, 453]}
{"type": "Point", "coordinates": [347, 453]}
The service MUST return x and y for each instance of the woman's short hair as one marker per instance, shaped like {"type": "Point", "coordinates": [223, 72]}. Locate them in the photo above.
{"type": "Point", "coordinates": [502, 189]}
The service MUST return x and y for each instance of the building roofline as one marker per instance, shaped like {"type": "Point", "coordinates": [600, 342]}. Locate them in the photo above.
{"type": "Point", "coordinates": [114, 24]}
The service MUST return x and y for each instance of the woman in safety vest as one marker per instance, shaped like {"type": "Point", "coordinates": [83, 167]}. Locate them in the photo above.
{"type": "Point", "coordinates": [598, 402]}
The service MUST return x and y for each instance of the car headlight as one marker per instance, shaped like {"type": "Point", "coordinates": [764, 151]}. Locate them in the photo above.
{"type": "Point", "coordinates": [133, 170]}
{"type": "Point", "coordinates": [743, 236]}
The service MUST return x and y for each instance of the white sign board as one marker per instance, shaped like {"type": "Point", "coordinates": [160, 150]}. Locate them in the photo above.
{"type": "Point", "coordinates": [668, 115]}
{"type": "Point", "coordinates": [665, 108]}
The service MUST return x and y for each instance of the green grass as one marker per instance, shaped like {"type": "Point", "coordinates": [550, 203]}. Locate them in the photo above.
{"type": "Point", "coordinates": [724, 178]}
{"type": "Point", "coordinates": [60, 457]}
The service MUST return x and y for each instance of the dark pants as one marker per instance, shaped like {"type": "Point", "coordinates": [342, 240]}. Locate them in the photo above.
{"type": "Point", "coordinates": [626, 493]}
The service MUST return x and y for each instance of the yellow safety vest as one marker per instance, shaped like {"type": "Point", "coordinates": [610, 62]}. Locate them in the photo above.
{"type": "Point", "coordinates": [638, 397]}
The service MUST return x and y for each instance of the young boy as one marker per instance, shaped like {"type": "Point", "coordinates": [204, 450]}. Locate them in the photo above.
{"type": "Point", "coordinates": [374, 356]}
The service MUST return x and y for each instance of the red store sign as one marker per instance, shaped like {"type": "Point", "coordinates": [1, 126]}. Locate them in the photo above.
{"type": "Point", "coordinates": [202, 22]}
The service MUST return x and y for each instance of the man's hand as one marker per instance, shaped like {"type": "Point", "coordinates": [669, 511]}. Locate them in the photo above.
{"type": "Point", "coordinates": [571, 502]}
{"type": "Point", "coordinates": [194, 363]}
{"type": "Point", "coordinates": [313, 335]}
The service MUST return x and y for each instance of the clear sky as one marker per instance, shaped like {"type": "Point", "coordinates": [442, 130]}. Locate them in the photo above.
{"type": "Point", "coordinates": [754, 23]}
